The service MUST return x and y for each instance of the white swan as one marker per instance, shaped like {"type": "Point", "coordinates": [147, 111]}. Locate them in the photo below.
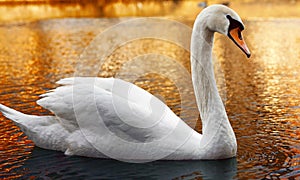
{"type": "Point", "coordinates": [111, 118]}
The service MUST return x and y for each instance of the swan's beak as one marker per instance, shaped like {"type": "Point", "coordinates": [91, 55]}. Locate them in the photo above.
{"type": "Point", "coordinates": [236, 36]}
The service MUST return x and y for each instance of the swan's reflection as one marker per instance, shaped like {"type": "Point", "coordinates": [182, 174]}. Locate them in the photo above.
{"type": "Point", "coordinates": [55, 165]}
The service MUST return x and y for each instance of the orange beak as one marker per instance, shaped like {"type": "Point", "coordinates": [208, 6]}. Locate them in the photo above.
{"type": "Point", "coordinates": [236, 36]}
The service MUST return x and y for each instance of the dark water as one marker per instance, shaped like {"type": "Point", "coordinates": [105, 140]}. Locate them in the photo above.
{"type": "Point", "coordinates": [63, 167]}
{"type": "Point", "coordinates": [261, 96]}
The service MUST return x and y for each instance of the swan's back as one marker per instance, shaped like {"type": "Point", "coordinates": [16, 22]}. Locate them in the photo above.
{"type": "Point", "coordinates": [117, 118]}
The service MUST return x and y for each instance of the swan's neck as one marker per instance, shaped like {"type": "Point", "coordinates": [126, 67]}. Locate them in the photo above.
{"type": "Point", "coordinates": [211, 108]}
{"type": "Point", "coordinates": [205, 87]}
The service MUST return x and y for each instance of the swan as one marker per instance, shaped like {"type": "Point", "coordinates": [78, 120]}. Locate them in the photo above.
{"type": "Point", "coordinates": [112, 118]}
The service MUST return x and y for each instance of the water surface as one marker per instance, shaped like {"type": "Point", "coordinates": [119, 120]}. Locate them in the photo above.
{"type": "Point", "coordinates": [261, 95]}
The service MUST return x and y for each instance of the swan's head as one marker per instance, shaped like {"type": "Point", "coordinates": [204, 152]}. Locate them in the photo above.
{"type": "Point", "coordinates": [225, 21]}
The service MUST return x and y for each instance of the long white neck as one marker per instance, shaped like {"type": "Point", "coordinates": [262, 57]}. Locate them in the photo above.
{"type": "Point", "coordinates": [211, 108]}
{"type": "Point", "coordinates": [202, 69]}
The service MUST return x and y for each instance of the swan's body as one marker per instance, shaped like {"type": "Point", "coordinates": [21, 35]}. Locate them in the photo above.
{"type": "Point", "coordinates": [111, 118]}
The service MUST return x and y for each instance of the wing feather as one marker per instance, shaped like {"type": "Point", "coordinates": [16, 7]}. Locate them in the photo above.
{"type": "Point", "coordinates": [115, 114]}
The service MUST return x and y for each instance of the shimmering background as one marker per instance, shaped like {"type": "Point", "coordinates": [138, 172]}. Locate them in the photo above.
{"type": "Point", "coordinates": [262, 93]}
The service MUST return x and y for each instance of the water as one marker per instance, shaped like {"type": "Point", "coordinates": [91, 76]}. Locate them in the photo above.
{"type": "Point", "coordinates": [62, 167]}
{"type": "Point", "coordinates": [261, 95]}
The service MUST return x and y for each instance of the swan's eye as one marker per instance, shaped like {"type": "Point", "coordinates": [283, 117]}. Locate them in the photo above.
{"type": "Point", "coordinates": [234, 24]}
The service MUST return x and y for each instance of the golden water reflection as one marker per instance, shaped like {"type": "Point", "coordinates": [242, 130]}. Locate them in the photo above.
{"type": "Point", "coordinates": [12, 12]}
{"type": "Point", "coordinates": [263, 96]}
{"type": "Point", "coordinates": [27, 10]}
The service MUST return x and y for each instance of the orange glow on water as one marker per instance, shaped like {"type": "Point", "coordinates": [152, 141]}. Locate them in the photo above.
{"type": "Point", "coordinates": [30, 10]}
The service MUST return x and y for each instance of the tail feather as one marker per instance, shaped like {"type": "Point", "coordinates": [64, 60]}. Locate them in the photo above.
{"type": "Point", "coordinates": [44, 131]}
{"type": "Point", "coordinates": [12, 114]}
{"type": "Point", "coordinates": [24, 120]}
